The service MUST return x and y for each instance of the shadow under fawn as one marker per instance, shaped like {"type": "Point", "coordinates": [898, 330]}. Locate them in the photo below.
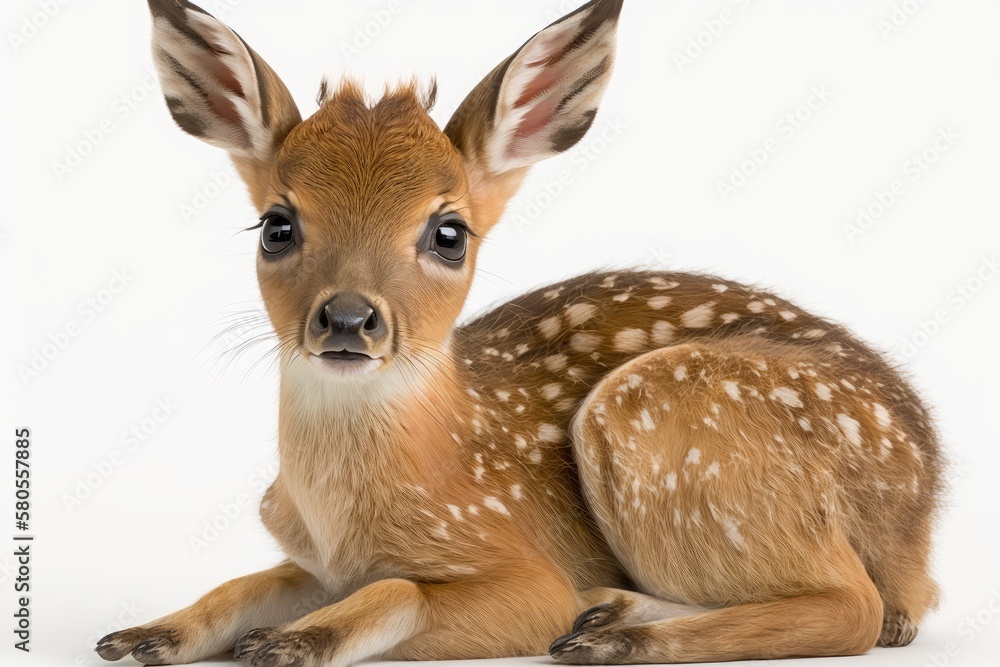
{"type": "Point", "coordinates": [692, 469]}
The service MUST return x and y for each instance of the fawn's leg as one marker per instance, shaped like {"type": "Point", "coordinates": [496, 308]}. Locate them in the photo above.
{"type": "Point", "coordinates": [507, 612]}
{"type": "Point", "coordinates": [214, 623]}
{"type": "Point", "coordinates": [611, 606]}
{"type": "Point", "coordinates": [714, 476]}
{"type": "Point", "coordinates": [900, 570]}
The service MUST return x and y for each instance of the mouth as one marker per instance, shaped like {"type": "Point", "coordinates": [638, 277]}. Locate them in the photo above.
{"type": "Point", "coordinates": [346, 364]}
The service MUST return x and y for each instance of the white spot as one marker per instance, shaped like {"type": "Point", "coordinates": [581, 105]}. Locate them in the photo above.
{"type": "Point", "coordinates": [473, 510]}
{"type": "Point", "coordinates": [787, 315]}
{"type": "Point", "coordinates": [663, 283]}
{"type": "Point", "coordinates": [556, 362]}
{"type": "Point", "coordinates": [647, 420]}
{"type": "Point", "coordinates": [472, 392]}
{"type": "Point", "coordinates": [620, 297]}
{"type": "Point", "coordinates": [494, 504]}
{"type": "Point", "coordinates": [550, 392]}
{"type": "Point", "coordinates": [693, 456]}
{"type": "Point", "coordinates": [789, 397]}
{"type": "Point", "coordinates": [681, 372]}
{"type": "Point", "coordinates": [491, 352]}
{"type": "Point", "coordinates": [630, 340]}
{"type": "Point", "coordinates": [515, 492]}
{"type": "Point", "coordinates": [549, 433]}
{"type": "Point", "coordinates": [456, 512]}
{"type": "Point", "coordinates": [535, 456]}
{"type": "Point", "coordinates": [712, 470]}
{"type": "Point", "coordinates": [659, 302]}
{"type": "Point", "coordinates": [804, 423]}
{"type": "Point", "coordinates": [794, 374]}
{"type": "Point", "coordinates": [578, 313]}
{"type": "Point", "coordinates": [698, 317]}
{"type": "Point", "coordinates": [663, 333]}
{"type": "Point", "coordinates": [851, 429]}
{"type": "Point", "coordinates": [442, 531]}
{"type": "Point", "coordinates": [671, 481]}
{"type": "Point", "coordinates": [519, 409]}
{"type": "Point", "coordinates": [733, 389]}
{"type": "Point", "coordinates": [553, 293]}
{"type": "Point", "coordinates": [584, 342]}
{"type": "Point", "coordinates": [521, 349]}
{"type": "Point", "coordinates": [502, 395]}
{"type": "Point", "coordinates": [755, 307]}
{"type": "Point", "coordinates": [550, 327]}
{"type": "Point", "coordinates": [729, 318]}
{"type": "Point", "coordinates": [814, 333]}
{"type": "Point", "coordinates": [720, 288]}
{"type": "Point", "coordinates": [848, 385]}
{"type": "Point", "coordinates": [520, 442]}
{"type": "Point", "coordinates": [882, 415]}
{"type": "Point", "coordinates": [634, 380]}
{"type": "Point", "coordinates": [733, 533]}
{"type": "Point", "coordinates": [823, 391]}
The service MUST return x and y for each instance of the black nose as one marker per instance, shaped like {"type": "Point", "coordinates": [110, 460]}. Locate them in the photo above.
{"type": "Point", "coordinates": [348, 322]}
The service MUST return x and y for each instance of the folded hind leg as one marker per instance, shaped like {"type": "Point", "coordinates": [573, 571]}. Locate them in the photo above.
{"type": "Point", "coordinates": [697, 465]}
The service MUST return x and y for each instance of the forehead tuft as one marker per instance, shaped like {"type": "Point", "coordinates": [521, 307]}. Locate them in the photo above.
{"type": "Point", "coordinates": [360, 151]}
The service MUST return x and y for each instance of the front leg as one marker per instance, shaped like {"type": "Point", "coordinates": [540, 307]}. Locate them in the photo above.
{"type": "Point", "coordinates": [212, 624]}
{"type": "Point", "coordinates": [508, 613]}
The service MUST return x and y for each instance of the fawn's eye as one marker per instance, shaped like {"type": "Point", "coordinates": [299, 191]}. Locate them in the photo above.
{"type": "Point", "coordinates": [450, 241]}
{"type": "Point", "coordinates": [276, 233]}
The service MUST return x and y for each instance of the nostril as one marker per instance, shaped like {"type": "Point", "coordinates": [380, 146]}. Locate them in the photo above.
{"type": "Point", "coordinates": [371, 324]}
{"type": "Point", "coordinates": [324, 321]}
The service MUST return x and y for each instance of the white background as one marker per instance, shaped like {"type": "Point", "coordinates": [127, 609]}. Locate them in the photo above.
{"type": "Point", "coordinates": [648, 196]}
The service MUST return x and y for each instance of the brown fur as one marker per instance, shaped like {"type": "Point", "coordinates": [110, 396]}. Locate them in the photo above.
{"type": "Point", "coordinates": [694, 469]}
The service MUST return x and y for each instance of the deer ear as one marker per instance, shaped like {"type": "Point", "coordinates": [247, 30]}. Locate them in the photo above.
{"type": "Point", "coordinates": [542, 100]}
{"type": "Point", "coordinates": [216, 87]}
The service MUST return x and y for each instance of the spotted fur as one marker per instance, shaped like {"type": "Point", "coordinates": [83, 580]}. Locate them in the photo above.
{"type": "Point", "coordinates": [692, 468]}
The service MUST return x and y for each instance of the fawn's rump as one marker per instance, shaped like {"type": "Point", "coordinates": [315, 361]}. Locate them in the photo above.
{"type": "Point", "coordinates": [731, 447]}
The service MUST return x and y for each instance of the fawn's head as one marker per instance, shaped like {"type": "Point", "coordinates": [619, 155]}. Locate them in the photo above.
{"type": "Point", "coordinates": [372, 215]}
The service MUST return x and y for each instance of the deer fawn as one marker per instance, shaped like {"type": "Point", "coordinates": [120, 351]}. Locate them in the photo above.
{"type": "Point", "coordinates": [692, 469]}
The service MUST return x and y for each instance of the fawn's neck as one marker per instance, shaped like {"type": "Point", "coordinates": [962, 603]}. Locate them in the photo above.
{"type": "Point", "coordinates": [404, 423]}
